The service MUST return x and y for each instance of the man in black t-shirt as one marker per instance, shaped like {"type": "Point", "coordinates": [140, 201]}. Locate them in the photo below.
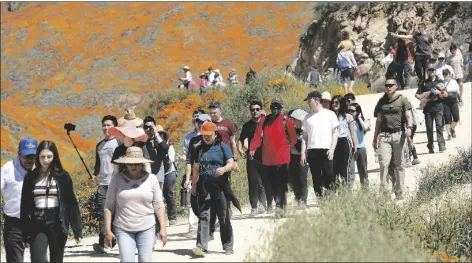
{"type": "Point", "coordinates": [433, 110]}
{"type": "Point", "coordinates": [257, 192]}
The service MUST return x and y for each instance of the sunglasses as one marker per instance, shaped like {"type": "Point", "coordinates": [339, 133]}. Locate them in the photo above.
{"type": "Point", "coordinates": [255, 109]}
{"type": "Point", "coordinates": [146, 127]}
{"type": "Point", "coordinates": [29, 157]}
{"type": "Point", "coordinates": [335, 102]}
{"type": "Point", "coordinates": [389, 85]}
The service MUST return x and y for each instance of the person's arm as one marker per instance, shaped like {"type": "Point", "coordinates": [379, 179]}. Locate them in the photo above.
{"type": "Point", "coordinates": [353, 134]}
{"type": "Point", "coordinates": [110, 203]}
{"type": "Point", "coordinates": [147, 166]}
{"type": "Point", "coordinates": [96, 168]}
{"type": "Point", "coordinates": [334, 141]}
{"type": "Point", "coordinates": [232, 137]}
{"type": "Point", "coordinates": [4, 172]}
{"type": "Point", "coordinates": [26, 206]}
{"type": "Point", "coordinates": [309, 76]}
{"type": "Point", "coordinates": [363, 125]}
{"type": "Point", "coordinates": [230, 164]}
{"type": "Point", "coordinates": [378, 125]}
{"type": "Point", "coordinates": [195, 177]}
{"type": "Point", "coordinates": [73, 209]}
{"type": "Point", "coordinates": [256, 140]}
{"type": "Point", "coordinates": [159, 209]}
{"type": "Point", "coordinates": [292, 135]}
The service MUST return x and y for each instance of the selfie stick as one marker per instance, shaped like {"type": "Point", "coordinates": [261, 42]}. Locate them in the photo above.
{"type": "Point", "coordinates": [86, 168]}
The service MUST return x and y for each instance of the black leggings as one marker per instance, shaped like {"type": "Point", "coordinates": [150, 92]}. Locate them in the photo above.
{"type": "Point", "coordinates": [421, 64]}
{"type": "Point", "coordinates": [342, 157]}
{"type": "Point", "coordinates": [48, 232]}
{"type": "Point", "coordinates": [451, 111]}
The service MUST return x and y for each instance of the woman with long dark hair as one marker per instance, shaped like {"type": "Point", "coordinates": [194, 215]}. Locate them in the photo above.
{"type": "Point", "coordinates": [48, 206]}
{"type": "Point", "coordinates": [361, 128]}
{"type": "Point", "coordinates": [346, 147]}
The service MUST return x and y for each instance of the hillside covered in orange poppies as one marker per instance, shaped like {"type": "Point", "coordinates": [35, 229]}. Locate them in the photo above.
{"type": "Point", "coordinates": [77, 61]}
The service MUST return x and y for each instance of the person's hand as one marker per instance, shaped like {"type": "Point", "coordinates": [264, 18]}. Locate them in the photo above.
{"type": "Point", "coordinates": [303, 159]}
{"type": "Point", "coordinates": [251, 155]}
{"type": "Point", "coordinates": [187, 184]}
{"type": "Point", "coordinates": [236, 167]}
{"type": "Point", "coordinates": [194, 190]}
{"type": "Point", "coordinates": [78, 240]}
{"type": "Point", "coordinates": [330, 154]}
{"type": "Point", "coordinates": [163, 235]}
{"type": "Point", "coordinates": [375, 143]}
{"type": "Point", "coordinates": [109, 236]}
{"type": "Point", "coordinates": [355, 154]}
{"type": "Point", "coordinates": [220, 171]}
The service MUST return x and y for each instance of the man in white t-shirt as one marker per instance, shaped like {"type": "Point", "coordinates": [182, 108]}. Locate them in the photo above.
{"type": "Point", "coordinates": [103, 171]}
{"type": "Point", "coordinates": [320, 135]}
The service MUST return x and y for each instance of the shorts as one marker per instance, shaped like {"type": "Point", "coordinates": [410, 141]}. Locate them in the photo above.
{"type": "Point", "coordinates": [460, 81]}
{"type": "Point", "coordinates": [347, 74]}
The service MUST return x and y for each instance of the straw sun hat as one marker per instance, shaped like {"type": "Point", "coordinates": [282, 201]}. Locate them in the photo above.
{"type": "Point", "coordinates": [130, 116]}
{"type": "Point", "coordinates": [133, 155]}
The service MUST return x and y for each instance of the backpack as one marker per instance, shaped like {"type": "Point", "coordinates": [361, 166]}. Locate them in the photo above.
{"type": "Point", "coordinates": [344, 62]}
{"type": "Point", "coordinates": [285, 128]}
{"type": "Point", "coordinates": [167, 164]}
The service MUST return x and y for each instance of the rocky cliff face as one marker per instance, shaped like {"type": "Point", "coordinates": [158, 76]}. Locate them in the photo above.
{"type": "Point", "coordinates": [369, 24]}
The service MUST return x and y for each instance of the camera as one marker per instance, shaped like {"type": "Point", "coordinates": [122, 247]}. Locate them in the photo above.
{"type": "Point", "coordinates": [69, 127]}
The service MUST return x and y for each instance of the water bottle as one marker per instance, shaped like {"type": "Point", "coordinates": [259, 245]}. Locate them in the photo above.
{"type": "Point", "coordinates": [184, 197]}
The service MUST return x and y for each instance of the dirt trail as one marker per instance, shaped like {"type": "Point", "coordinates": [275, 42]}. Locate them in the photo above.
{"type": "Point", "coordinates": [248, 230]}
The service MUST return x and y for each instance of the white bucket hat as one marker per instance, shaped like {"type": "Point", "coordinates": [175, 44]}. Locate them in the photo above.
{"type": "Point", "coordinates": [299, 114]}
{"type": "Point", "coordinates": [133, 155]}
{"type": "Point", "coordinates": [186, 67]}
{"type": "Point", "coordinates": [325, 96]}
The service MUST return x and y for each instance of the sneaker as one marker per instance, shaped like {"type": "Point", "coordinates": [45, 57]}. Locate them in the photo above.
{"type": "Point", "coordinates": [269, 210]}
{"type": "Point", "coordinates": [172, 222]}
{"type": "Point", "coordinates": [261, 210]}
{"type": "Point", "coordinates": [253, 212]}
{"type": "Point", "coordinates": [99, 249]}
{"type": "Point", "coordinates": [442, 149]}
{"type": "Point", "coordinates": [279, 212]}
{"type": "Point", "coordinates": [449, 137]}
{"type": "Point", "coordinates": [453, 133]}
{"type": "Point", "coordinates": [192, 233]}
{"type": "Point", "coordinates": [229, 252]}
{"type": "Point", "coordinates": [431, 150]}
{"type": "Point", "coordinates": [408, 163]}
{"type": "Point", "coordinates": [199, 252]}
{"type": "Point", "coordinates": [415, 161]}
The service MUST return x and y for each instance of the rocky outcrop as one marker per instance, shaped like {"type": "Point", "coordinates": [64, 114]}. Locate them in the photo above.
{"type": "Point", "coordinates": [369, 24]}
{"type": "Point", "coordinates": [13, 6]}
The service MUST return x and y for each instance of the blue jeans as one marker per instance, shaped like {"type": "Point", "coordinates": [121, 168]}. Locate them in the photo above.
{"type": "Point", "coordinates": [128, 241]}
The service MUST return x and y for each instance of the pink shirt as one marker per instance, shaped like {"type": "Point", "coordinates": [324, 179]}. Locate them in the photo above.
{"type": "Point", "coordinates": [203, 82]}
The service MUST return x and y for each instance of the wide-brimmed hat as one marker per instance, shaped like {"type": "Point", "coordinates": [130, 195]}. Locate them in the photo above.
{"type": "Point", "coordinates": [186, 67]}
{"type": "Point", "coordinates": [130, 116]}
{"type": "Point", "coordinates": [128, 129]}
{"type": "Point", "coordinates": [208, 128]}
{"type": "Point", "coordinates": [133, 155]}
{"type": "Point", "coordinates": [299, 114]}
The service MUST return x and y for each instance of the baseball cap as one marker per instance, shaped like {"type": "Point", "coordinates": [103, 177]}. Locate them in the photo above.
{"type": "Point", "coordinates": [27, 146]}
{"type": "Point", "coordinates": [298, 114]}
{"type": "Point", "coordinates": [203, 117]}
{"type": "Point", "coordinates": [325, 96]}
{"type": "Point", "coordinates": [208, 128]}
{"type": "Point", "coordinates": [313, 94]}
{"type": "Point", "coordinates": [277, 101]}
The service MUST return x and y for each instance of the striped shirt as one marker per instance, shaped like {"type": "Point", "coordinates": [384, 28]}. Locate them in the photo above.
{"type": "Point", "coordinates": [44, 198]}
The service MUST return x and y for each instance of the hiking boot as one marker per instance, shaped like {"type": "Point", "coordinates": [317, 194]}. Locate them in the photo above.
{"type": "Point", "coordinates": [199, 252]}
{"type": "Point", "coordinates": [442, 149]}
{"type": "Point", "coordinates": [431, 150]}
{"type": "Point", "coordinates": [99, 249]}
{"type": "Point", "coordinates": [415, 161]}
{"type": "Point", "coordinates": [453, 133]}
{"type": "Point", "coordinates": [253, 212]}
{"type": "Point", "coordinates": [229, 252]}
{"type": "Point", "coordinates": [172, 222]}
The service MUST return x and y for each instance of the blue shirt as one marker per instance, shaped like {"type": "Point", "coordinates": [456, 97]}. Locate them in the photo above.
{"type": "Point", "coordinates": [213, 157]}
{"type": "Point", "coordinates": [359, 134]}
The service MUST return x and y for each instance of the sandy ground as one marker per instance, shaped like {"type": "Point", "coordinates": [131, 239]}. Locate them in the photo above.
{"type": "Point", "coordinates": [248, 231]}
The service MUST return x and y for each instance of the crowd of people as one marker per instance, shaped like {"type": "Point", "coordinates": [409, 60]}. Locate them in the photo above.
{"type": "Point", "coordinates": [136, 164]}
{"type": "Point", "coordinates": [212, 79]}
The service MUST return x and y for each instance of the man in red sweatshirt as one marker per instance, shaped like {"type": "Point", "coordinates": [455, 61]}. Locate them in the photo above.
{"type": "Point", "coordinates": [276, 134]}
